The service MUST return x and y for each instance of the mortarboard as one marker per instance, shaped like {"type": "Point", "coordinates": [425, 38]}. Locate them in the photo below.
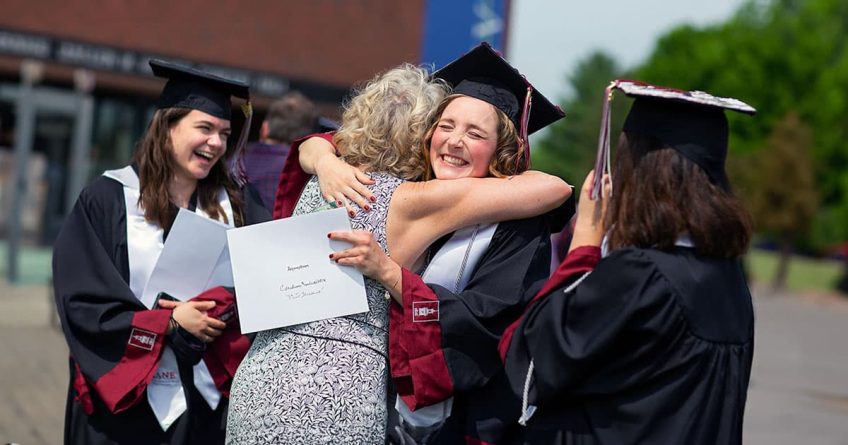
{"type": "Point", "coordinates": [326, 124]}
{"type": "Point", "coordinates": [197, 90]}
{"type": "Point", "coordinates": [191, 88]}
{"type": "Point", "coordinates": [483, 74]}
{"type": "Point", "coordinates": [691, 122]}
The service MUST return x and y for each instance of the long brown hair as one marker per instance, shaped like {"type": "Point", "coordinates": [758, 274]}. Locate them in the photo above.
{"type": "Point", "coordinates": [154, 157]}
{"type": "Point", "coordinates": [660, 194]}
{"type": "Point", "coordinates": [509, 148]}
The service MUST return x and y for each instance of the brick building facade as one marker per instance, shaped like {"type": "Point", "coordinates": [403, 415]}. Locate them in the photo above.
{"type": "Point", "coordinates": [326, 45]}
{"type": "Point", "coordinates": [93, 93]}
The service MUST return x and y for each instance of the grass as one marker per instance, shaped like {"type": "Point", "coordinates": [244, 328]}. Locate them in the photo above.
{"type": "Point", "coordinates": [805, 274]}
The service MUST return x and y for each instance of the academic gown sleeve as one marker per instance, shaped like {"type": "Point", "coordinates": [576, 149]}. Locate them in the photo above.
{"type": "Point", "coordinates": [431, 360]}
{"type": "Point", "coordinates": [594, 339]}
{"type": "Point", "coordinates": [293, 179]}
{"type": "Point", "coordinates": [577, 263]}
{"type": "Point", "coordinates": [652, 347]}
{"type": "Point", "coordinates": [114, 340]}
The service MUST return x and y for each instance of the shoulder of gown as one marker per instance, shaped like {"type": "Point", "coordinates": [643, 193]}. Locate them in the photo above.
{"type": "Point", "coordinates": [458, 352]}
{"type": "Point", "coordinates": [599, 336]}
{"type": "Point", "coordinates": [114, 342]}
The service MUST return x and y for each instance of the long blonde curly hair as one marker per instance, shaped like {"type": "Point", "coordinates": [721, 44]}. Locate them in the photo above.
{"type": "Point", "coordinates": [384, 123]}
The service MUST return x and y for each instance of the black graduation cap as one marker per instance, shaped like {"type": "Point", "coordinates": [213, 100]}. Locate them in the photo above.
{"type": "Point", "coordinates": [691, 122]}
{"type": "Point", "coordinates": [197, 90]}
{"type": "Point", "coordinates": [325, 124]}
{"type": "Point", "coordinates": [191, 88]}
{"type": "Point", "coordinates": [483, 74]}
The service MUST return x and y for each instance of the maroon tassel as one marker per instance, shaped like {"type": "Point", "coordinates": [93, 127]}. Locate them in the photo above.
{"type": "Point", "coordinates": [602, 157]}
{"type": "Point", "coordinates": [522, 132]}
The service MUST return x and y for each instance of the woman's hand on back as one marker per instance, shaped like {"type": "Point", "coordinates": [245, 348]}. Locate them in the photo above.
{"type": "Point", "coordinates": [339, 182]}
{"type": "Point", "coordinates": [343, 183]}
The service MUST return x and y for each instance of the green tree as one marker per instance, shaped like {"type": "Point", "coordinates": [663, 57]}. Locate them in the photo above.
{"type": "Point", "coordinates": [783, 198]}
{"type": "Point", "coordinates": [783, 57]}
{"type": "Point", "coordinates": [568, 149]}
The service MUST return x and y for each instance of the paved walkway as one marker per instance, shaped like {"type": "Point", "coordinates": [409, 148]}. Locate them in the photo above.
{"type": "Point", "coordinates": [799, 383]}
{"type": "Point", "coordinates": [798, 393]}
{"type": "Point", "coordinates": [33, 369]}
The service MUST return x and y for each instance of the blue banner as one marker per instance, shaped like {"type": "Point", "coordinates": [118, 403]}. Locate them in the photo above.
{"type": "Point", "coordinates": [452, 27]}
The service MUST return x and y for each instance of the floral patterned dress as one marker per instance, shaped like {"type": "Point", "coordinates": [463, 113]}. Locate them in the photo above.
{"type": "Point", "coordinates": [325, 381]}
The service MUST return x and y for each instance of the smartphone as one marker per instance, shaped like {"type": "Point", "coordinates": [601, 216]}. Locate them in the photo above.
{"type": "Point", "coordinates": [162, 296]}
{"type": "Point", "coordinates": [327, 206]}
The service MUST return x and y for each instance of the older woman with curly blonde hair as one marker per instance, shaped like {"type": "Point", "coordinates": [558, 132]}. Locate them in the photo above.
{"type": "Point", "coordinates": [484, 274]}
{"type": "Point", "coordinates": [383, 135]}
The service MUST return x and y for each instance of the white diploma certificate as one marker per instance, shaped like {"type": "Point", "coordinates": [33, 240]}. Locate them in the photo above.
{"type": "Point", "coordinates": [283, 274]}
{"type": "Point", "coordinates": [193, 259]}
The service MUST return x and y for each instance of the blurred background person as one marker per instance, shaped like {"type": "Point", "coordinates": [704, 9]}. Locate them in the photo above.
{"type": "Point", "coordinates": [290, 117]}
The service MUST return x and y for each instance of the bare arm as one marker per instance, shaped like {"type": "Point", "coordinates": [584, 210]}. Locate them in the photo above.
{"type": "Point", "coordinates": [313, 151]}
{"type": "Point", "coordinates": [420, 213]}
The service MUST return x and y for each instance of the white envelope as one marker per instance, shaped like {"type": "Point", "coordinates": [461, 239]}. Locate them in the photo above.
{"type": "Point", "coordinates": [283, 274]}
{"type": "Point", "coordinates": [193, 259]}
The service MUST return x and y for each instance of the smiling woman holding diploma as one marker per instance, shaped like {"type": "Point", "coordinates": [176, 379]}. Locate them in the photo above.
{"type": "Point", "coordinates": [152, 375]}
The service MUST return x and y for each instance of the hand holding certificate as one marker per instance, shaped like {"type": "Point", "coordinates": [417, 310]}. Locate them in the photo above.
{"type": "Point", "coordinates": [283, 274]}
{"type": "Point", "coordinates": [193, 259]}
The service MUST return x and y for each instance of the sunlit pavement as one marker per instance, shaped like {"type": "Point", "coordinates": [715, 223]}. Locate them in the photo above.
{"type": "Point", "coordinates": [33, 368]}
{"type": "Point", "coordinates": [799, 386]}
{"type": "Point", "coordinates": [798, 394]}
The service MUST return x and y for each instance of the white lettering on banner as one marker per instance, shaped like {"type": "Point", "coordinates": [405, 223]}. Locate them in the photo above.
{"type": "Point", "coordinates": [108, 58]}
{"type": "Point", "coordinates": [24, 45]}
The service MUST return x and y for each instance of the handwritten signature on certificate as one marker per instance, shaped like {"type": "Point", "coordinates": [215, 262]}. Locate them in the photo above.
{"type": "Point", "coordinates": [298, 290]}
{"type": "Point", "coordinates": [282, 274]}
{"type": "Point", "coordinates": [297, 287]}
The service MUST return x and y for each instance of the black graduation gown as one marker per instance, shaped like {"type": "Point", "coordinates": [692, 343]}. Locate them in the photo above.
{"type": "Point", "coordinates": [457, 354]}
{"type": "Point", "coordinates": [651, 348]}
{"type": "Point", "coordinates": [113, 338]}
